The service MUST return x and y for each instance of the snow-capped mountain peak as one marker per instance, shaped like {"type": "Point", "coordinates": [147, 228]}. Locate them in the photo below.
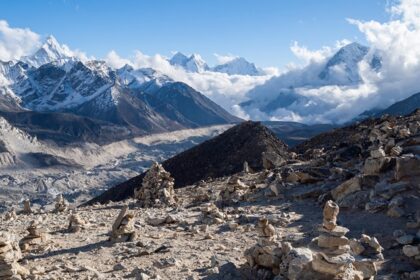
{"type": "Point", "coordinates": [193, 63]}
{"type": "Point", "coordinates": [49, 51]}
{"type": "Point", "coordinates": [342, 67]}
{"type": "Point", "coordinates": [238, 66]}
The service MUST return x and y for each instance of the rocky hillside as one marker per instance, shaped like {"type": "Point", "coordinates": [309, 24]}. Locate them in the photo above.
{"type": "Point", "coordinates": [221, 156]}
{"type": "Point", "coordinates": [344, 205]}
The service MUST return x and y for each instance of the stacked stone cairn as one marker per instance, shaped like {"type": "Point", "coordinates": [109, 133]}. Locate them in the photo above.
{"type": "Point", "coordinates": [27, 207]}
{"type": "Point", "coordinates": [235, 190]}
{"type": "Point", "coordinates": [267, 252]}
{"type": "Point", "coordinates": [36, 238]}
{"type": "Point", "coordinates": [211, 214]}
{"type": "Point", "coordinates": [157, 188]}
{"type": "Point", "coordinates": [76, 223]}
{"type": "Point", "coordinates": [10, 215]}
{"type": "Point", "coordinates": [334, 255]}
{"type": "Point", "coordinates": [123, 227]}
{"type": "Point", "coordinates": [61, 204]}
{"type": "Point", "coordinates": [10, 254]}
{"type": "Point", "coordinates": [265, 229]}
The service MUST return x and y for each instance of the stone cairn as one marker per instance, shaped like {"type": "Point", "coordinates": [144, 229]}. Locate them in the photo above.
{"type": "Point", "coordinates": [246, 169]}
{"type": "Point", "coordinates": [35, 239]}
{"type": "Point", "coordinates": [235, 190]}
{"type": "Point", "coordinates": [409, 244]}
{"type": "Point", "coordinates": [123, 227]}
{"type": "Point", "coordinates": [10, 215]}
{"type": "Point", "coordinates": [334, 254]}
{"type": "Point", "coordinates": [329, 256]}
{"type": "Point", "coordinates": [210, 214]}
{"type": "Point", "coordinates": [267, 252]}
{"type": "Point", "coordinates": [10, 254]}
{"type": "Point", "coordinates": [61, 204]}
{"type": "Point", "coordinates": [265, 229]}
{"type": "Point", "coordinates": [27, 207]}
{"type": "Point", "coordinates": [76, 223]}
{"type": "Point", "coordinates": [157, 188]}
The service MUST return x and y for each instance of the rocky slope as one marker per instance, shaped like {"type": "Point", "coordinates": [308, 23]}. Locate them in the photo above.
{"type": "Point", "coordinates": [344, 209]}
{"type": "Point", "coordinates": [221, 156]}
{"type": "Point", "coordinates": [30, 167]}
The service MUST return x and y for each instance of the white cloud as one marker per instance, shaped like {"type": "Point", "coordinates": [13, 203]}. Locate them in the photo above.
{"type": "Point", "coordinates": [115, 61]}
{"type": "Point", "coordinates": [396, 41]}
{"type": "Point", "coordinates": [308, 56]}
{"type": "Point", "coordinates": [16, 42]}
{"type": "Point", "coordinates": [226, 90]}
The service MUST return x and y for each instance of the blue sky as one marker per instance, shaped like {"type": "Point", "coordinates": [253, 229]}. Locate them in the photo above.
{"type": "Point", "coordinates": [260, 30]}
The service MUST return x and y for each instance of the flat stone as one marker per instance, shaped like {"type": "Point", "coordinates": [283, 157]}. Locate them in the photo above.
{"type": "Point", "coordinates": [337, 231]}
{"type": "Point", "coordinates": [389, 190]}
{"type": "Point", "coordinates": [367, 267]}
{"type": "Point", "coordinates": [320, 265]}
{"type": "Point", "coordinates": [374, 166]}
{"type": "Point", "coordinates": [408, 167]}
{"type": "Point", "coordinates": [340, 259]}
{"type": "Point", "coordinates": [376, 205]}
{"type": "Point", "coordinates": [405, 239]}
{"type": "Point", "coordinates": [356, 247]}
{"type": "Point", "coordinates": [411, 251]}
{"type": "Point", "coordinates": [327, 241]}
{"type": "Point", "coordinates": [395, 212]}
{"type": "Point", "coordinates": [346, 188]}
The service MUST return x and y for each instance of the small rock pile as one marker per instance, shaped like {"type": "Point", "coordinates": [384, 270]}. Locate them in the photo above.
{"type": "Point", "coordinates": [235, 190]}
{"type": "Point", "coordinates": [212, 215]}
{"type": "Point", "coordinates": [269, 257]}
{"type": "Point", "coordinates": [10, 254]}
{"type": "Point", "coordinates": [330, 256]}
{"type": "Point", "coordinates": [123, 227]}
{"type": "Point", "coordinates": [61, 204]}
{"type": "Point", "coordinates": [35, 239]}
{"type": "Point", "coordinates": [265, 229]}
{"type": "Point", "coordinates": [157, 188]}
{"type": "Point", "coordinates": [265, 255]}
{"type": "Point", "coordinates": [76, 223]}
{"type": "Point", "coordinates": [10, 215]}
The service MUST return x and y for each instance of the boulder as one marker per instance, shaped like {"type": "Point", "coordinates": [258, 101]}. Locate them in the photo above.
{"type": "Point", "coordinates": [374, 166]}
{"type": "Point", "coordinates": [346, 188]}
{"type": "Point", "coordinates": [411, 251]}
{"type": "Point", "coordinates": [408, 168]}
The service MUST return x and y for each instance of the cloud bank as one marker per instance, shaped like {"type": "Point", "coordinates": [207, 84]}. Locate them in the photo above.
{"type": "Point", "coordinates": [16, 42]}
{"type": "Point", "coordinates": [396, 42]}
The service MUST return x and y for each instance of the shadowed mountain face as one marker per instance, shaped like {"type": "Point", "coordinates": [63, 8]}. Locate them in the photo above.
{"type": "Point", "coordinates": [400, 108]}
{"type": "Point", "coordinates": [293, 133]}
{"type": "Point", "coordinates": [221, 156]}
{"type": "Point", "coordinates": [65, 128]}
{"type": "Point", "coordinates": [403, 107]}
{"type": "Point", "coordinates": [74, 101]}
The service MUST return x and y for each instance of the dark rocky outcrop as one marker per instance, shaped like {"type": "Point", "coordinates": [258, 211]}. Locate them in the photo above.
{"type": "Point", "coordinates": [221, 156]}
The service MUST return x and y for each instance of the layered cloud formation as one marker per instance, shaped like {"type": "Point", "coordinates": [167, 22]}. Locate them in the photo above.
{"type": "Point", "coordinates": [396, 42]}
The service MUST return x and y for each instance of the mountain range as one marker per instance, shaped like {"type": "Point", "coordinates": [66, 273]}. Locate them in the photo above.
{"type": "Point", "coordinates": [235, 66]}
{"type": "Point", "coordinates": [55, 95]}
{"type": "Point", "coordinates": [53, 85]}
